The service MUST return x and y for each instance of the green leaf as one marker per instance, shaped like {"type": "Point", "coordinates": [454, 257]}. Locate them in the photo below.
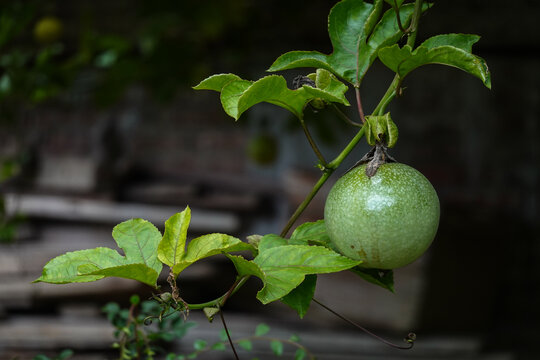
{"type": "Point", "coordinates": [223, 335]}
{"type": "Point", "coordinates": [300, 298]}
{"type": "Point", "coordinates": [210, 312]}
{"type": "Point", "coordinates": [294, 338]}
{"type": "Point", "coordinates": [382, 278]}
{"type": "Point", "coordinates": [277, 347]}
{"type": "Point", "coordinates": [449, 49]}
{"type": "Point", "coordinates": [171, 248]}
{"type": "Point", "coordinates": [63, 269]}
{"type": "Point", "coordinates": [271, 240]}
{"type": "Point", "coordinates": [391, 2]}
{"type": "Point", "coordinates": [138, 239]}
{"type": "Point", "coordinates": [216, 82]}
{"type": "Point", "coordinates": [230, 96]}
{"type": "Point", "coordinates": [262, 329]}
{"type": "Point", "coordinates": [200, 345]}
{"type": "Point", "coordinates": [381, 128]}
{"type": "Point", "coordinates": [283, 268]}
{"type": "Point", "coordinates": [218, 346]}
{"type": "Point", "coordinates": [311, 233]}
{"type": "Point", "coordinates": [238, 96]}
{"type": "Point", "coordinates": [246, 345]}
{"type": "Point", "coordinates": [139, 272]}
{"type": "Point", "coordinates": [209, 245]}
{"type": "Point", "coordinates": [300, 354]}
{"type": "Point", "coordinates": [355, 39]}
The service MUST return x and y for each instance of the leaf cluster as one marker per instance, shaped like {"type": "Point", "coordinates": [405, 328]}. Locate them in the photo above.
{"type": "Point", "coordinates": [360, 33]}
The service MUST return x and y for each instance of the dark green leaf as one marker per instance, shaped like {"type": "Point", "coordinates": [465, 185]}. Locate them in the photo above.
{"type": "Point", "coordinates": [391, 2]}
{"type": "Point", "coordinates": [449, 49]}
{"type": "Point", "coordinates": [382, 278]}
{"type": "Point", "coordinates": [355, 39]}
{"type": "Point", "coordinates": [300, 298]}
{"type": "Point", "coordinates": [262, 329]}
{"type": "Point", "coordinates": [277, 347]}
{"type": "Point", "coordinates": [240, 95]}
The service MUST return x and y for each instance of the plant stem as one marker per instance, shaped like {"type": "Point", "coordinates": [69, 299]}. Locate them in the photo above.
{"type": "Point", "coordinates": [396, 10]}
{"type": "Point", "coordinates": [227, 332]}
{"type": "Point", "coordinates": [411, 36]}
{"type": "Point", "coordinates": [342, 115]}
{"type": "Point", "coordinates": [307, 200]}
{"type": "Point", "coordinates": [312, 143]}
{"type": "Point", "coordinates": [220, 301]}
{"type": "Point", "coordinates": [359, 104]}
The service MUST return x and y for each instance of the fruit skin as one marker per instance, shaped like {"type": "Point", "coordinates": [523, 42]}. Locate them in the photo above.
{"type": "Point", "coordinates": [47, 30]}
{"type": "Point", "coordinates": [388, 220]}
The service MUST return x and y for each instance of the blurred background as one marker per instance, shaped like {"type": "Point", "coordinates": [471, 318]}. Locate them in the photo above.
{"type": "Point", "coordinates": [99, 124]}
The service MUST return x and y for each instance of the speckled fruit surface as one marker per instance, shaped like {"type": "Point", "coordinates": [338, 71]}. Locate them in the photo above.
{"type": "Point", "coordinates": [388, 220]}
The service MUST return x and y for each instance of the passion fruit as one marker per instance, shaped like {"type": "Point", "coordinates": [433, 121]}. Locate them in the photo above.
{"type": "Point", "coordinates": [263, 149]}
{"type": "Point", "coordinates": [387, 220]}
{"type": "Point", "coordinates": [48, 30]}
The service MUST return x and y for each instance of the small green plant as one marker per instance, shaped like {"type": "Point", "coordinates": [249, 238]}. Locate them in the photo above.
{"type": "Point", "coordinates": [277, 346]}
{"type": "Point", "coordinates": [287, 266]}
{"type": "Point", "coordinates": [64, 354]}
{"type": "Point", "coordinates": [135, 340]}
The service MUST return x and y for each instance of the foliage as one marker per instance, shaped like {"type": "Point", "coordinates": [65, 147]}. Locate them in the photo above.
{"type": "Point", "coordinates": [133, 338]}
{"type": "Point", "coordinates": [64, 354]}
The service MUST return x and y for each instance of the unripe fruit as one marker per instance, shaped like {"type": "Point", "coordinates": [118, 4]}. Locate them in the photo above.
{"type": "Point", "coordinates": [263, 149]}
{"type": "Point", "coordinates": [387, 220]}
{"type": "Point", "coordinates": [48, 30]}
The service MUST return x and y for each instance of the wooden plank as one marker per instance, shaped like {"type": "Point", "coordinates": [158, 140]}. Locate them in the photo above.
{"type": "Point", "coordinates": [101, 211]}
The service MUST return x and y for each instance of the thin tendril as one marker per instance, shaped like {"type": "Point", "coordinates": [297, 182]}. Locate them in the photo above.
{"type": "Point", "coordinates": [409, 339]}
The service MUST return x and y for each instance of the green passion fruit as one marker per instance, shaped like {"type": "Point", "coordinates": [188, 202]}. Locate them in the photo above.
{"type": "Point", "coordinates": [47, 30]}
{"type": "Point", "coordinates": [387, 220]}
